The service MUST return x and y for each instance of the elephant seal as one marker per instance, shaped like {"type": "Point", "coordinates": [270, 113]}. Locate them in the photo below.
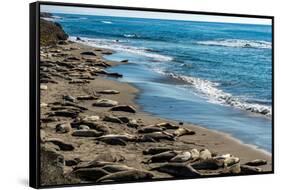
{"type": "Point", "coordinates": [205, 154]}
{"type": "Point", "coordinates": [90, 174]}
{"type": "Point", "coordinates": [183, 131]}
{"type": "Point", "coordinates": [130, 175]}
{"type": "Point", "coordinates": [257, 162]}
{"type": "Point", "coordinates": [116, 168]}
{"type": "Point", "coordinates": [178, 170]}
{"type": "Point", "coordinates": [156, 150]}
{"type": "Point", "coordinates": [162, 157]}
{"type": "Point", "coordinates": [182, 157]}
{"type": "Point", "coordinates": [149, 129]}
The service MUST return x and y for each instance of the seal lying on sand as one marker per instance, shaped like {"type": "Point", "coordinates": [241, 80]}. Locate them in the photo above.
{"type": "Point", "coordinates": [178, 170]}
{"type": "Point", "coordinates": [130, 175]}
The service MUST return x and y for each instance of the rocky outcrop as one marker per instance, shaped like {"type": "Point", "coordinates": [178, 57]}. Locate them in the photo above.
{"type": "Point", "coordinates": [51, 33]}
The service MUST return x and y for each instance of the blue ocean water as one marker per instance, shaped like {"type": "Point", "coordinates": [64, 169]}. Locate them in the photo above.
{"type": "Point", "coordinates": [217, 75]}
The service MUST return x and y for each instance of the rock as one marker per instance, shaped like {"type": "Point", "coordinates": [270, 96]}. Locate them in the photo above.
{"type": "Point", "coordinates": [149, 129]}
{"type": "Point", "coordinates": [156, 150]}
{"type": "Point", "coordinates": [178, 170]}
{"type": "Point", "coordinates": [86, 97]}
{"type": "Point", "coordinates": [105, 103]}
{"type": "Point", "coordinates": [124, 108]}
{"type": "Point", "coordinates": [257, 162]}
{"type": "Point", "coordinates": [133, 123]}
{"type": "Point", "coordinates": [61, 144]}
{"type": "Point", "coordinates": [68, 98]}
{"type": "Point", "coordinates": [90, 174]}
{"type": "Point", "coordinates": [183, 131]}
{"type": "Point", "coordinates": [162, 157]}
{"type": "Point", "coordinates": [87, 133]}
{"type": "Point", "coordinates": [205, 154]}
{"type": "Point", "coordinates": [167, 125]}
{"type": "Point", "coordinates": [88, 53]}
{"type": "Point", "coordinates": [51, 33]}
{"type": "Point", "coordinates": [108, 92]}
{"type": "Point", "coordinates": [245, 169]}
{"type": "Point", "coordinates": [51, 168]}
{"type": "Point", "coordinates": [124, 61]}
{"type": "Point", "coordinates": [78, 38]}
{"type": "Point", "coordinates": [130, 175]}
{"type": "Point", "coordinates": [112, 119]}
{"type": "Point", "coordinates": [181, 157]}
{"type": "Point", "coordinates": [63, 128]}
{"type": "Point", "coordinates": [43, 87]}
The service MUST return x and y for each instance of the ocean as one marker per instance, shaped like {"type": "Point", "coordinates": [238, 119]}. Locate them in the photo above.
{"type": "Point", "coordinates": [217, 75]}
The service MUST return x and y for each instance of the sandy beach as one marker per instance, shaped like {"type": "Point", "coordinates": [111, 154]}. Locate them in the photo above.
{"type": "Point", "coordinates": [90, 121]}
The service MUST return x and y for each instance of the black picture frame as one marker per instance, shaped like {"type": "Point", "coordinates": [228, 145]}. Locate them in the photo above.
{"type": "Point", "coordinates": [34, 85]}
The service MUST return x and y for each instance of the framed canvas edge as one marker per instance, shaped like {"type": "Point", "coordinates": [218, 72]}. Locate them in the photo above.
{"type": "Point", "coordinates": [34, 89]}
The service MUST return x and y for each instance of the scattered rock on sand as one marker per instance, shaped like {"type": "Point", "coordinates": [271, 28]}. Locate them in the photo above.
{"type": "Point", "coordinates": [105, 103]}
{"type": "Point", "coordinates": [257, 162]}
{"type": "Point", "coordinates": [108, 92]}
{"type": "Point", "coordinates": [124, 108]}
{"type": "Point", "coordinates": [130, 175]}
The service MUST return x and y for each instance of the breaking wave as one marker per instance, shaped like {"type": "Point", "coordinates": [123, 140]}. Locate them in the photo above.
{"type": "Point", "coordinates": [106, 22]}
{"type": "Point", "coordinates": [211, 91]}
{"type": "Point", "coordinates": [238, 43]}
{"type": "Point", "coordinates": [118, 46]}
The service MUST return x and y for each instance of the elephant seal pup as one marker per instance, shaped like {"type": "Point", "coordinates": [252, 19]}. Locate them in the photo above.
{"type": "Point", "coordinates": [178, 170]}
{"type": "Point", "coordinates": [181, 157]}
{"type": "Point", "coordinates": [156, 150]}
{"type": "Point", "coordinates": [90, 174]}
{"type": "Point", "coordinates": [130, 175]}
{"type": "Point", "coordinates": [124, 137]}
{"type": "Point", "coordinates": [183, 131]}
{"type": "Point", "coordinates": [194, 154]}
{"type": "Point", "coordinates": [162, 157]}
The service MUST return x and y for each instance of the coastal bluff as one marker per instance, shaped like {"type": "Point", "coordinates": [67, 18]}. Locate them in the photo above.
{"type": "Point", "coordinates": [51, 33]}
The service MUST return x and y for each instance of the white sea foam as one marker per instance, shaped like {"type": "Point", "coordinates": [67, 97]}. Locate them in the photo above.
{"type": "Point", "coordinates": [238, 43]}
{"type": "Point", "coordinates": [211, 91]}
{"type": "Point", "coordinates": [106, 22]}
{"type": "Point", "coordinates": [118, 46]}
{"type": "Point", "coordinates": [130, 35]}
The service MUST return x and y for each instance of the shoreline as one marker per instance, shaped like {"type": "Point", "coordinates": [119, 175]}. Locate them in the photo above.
{"type": "Point", "coordinates": [217, 142]}
{"type": "Point", "coordinates": [139, 108]}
